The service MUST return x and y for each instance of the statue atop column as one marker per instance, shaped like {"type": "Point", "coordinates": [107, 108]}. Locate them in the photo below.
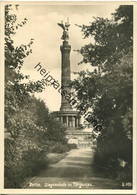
{"type": "Point", "coordinates": [65, 27]}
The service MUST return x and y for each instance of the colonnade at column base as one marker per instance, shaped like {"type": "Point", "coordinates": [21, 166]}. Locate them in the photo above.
{"type": "Point", "coordinates": [74, 134]}
{"type": "Point", "coordinates": [70, 119]}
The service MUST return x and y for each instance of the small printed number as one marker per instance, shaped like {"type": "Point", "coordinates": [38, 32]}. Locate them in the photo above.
{"type": "Point", "coordinates": [126, 184]}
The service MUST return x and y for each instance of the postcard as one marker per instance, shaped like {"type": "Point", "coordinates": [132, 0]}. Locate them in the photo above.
{"type": "Point", "coordinates": [68, 106]}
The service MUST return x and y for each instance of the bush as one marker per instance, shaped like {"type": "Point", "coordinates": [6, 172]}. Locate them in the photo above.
{"type": "Point", "coordinates": [107, 159]}
{"type": "Point", "coordinates": [72, 146]}
{"type": "Point", "coordinates": [34, 161]}
{"type": "Point", "coordinates": [28, 165]}
{"type": "Point", "coordinates": [59, 148]}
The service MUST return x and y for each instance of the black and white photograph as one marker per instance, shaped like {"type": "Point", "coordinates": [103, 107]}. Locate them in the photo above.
{"type": "Point", "coordinates": [68, 96]}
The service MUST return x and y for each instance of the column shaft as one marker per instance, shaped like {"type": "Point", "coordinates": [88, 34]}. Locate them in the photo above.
{"type": "Point", "coordinates": [67, 121]}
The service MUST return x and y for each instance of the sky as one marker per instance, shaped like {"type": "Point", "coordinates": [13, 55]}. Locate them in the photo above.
{"type": "Point", "coordinates": [42, 27]}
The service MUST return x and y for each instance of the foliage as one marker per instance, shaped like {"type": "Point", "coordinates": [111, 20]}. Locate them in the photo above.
{"type": "Point", "coordinates": [72, 146]}
{"type": "Point", "coordinates": [55, 131]}
{"type": "Point", "coordinates": [27, 119]}
{"type": "Point", "coordinates": [58, 147]}
{"type": "Point", "coordinates": [107, 90]}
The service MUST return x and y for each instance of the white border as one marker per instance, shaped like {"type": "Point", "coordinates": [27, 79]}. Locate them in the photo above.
{"type": "Point", "coordinates": [65, 191]}
{"type": "Point", "coordinates": [2, 97]}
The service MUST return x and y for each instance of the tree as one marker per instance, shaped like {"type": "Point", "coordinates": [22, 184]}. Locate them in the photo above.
{"type": "Point", "coordinates": [27, 119]}
{"type": "Point", "coordinates": [108, 89]}
{"type": "Point", "coordinates": [25, 134]}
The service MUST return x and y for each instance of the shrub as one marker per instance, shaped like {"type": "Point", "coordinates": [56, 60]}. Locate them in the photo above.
{"type": "Point", "coordinates": [72, 146]}
{"type": "Point", "coordinates": [59, 148]}
{"type": "Point", "coordinates": [17, 169]}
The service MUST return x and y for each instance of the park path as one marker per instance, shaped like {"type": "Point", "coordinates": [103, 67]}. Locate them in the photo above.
{"type": "Point", "coordinates": [75, 171]}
